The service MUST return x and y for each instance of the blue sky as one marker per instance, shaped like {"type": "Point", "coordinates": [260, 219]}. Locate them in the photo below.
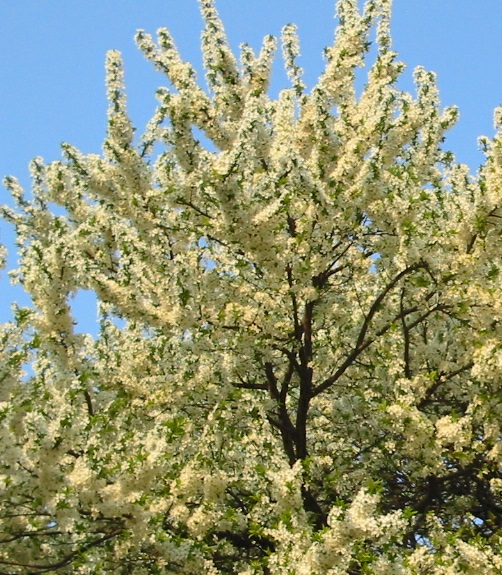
{"type": "Point", "coordinates": [52, 65]}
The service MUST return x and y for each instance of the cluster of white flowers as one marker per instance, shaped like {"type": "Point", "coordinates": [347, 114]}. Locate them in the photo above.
{"type": "Point", "coordinates": [348, 530]}
{"type": "Point", "coordinates": [298, 365]}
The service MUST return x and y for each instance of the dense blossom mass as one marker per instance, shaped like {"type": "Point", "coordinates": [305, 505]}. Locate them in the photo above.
{"type": "Point", "coordinates": [298, 366]}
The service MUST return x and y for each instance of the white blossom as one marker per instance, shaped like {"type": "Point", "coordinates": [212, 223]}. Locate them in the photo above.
{"type": "Point", "coordinates": [298, 363]}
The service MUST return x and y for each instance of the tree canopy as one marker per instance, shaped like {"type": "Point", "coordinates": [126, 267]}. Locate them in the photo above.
{"type": "Point", "coordinates": [298, 366]}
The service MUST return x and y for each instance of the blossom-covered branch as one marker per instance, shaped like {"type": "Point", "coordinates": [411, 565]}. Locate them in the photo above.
{"type": "Point", "coordinates": [297, 368]}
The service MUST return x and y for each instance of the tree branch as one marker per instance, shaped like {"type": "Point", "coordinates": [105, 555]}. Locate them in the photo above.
{"type": "Point", "coordinates": [362, 343]}
{"type": "Point", "coordinates": [67, 559]}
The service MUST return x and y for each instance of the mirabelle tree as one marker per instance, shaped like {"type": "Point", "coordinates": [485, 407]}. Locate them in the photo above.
{"type": "Point", "coordinates": [299, 362]}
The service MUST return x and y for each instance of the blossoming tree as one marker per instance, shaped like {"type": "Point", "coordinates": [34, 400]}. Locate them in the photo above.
{"type": "Point", "coordinates": [298, 367]}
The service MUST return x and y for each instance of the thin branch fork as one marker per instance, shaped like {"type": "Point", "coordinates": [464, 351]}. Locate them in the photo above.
{"type": "Point", "coordinates": [362, 343]}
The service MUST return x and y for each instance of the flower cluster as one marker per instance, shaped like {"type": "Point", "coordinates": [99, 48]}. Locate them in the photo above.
{"type": "Point", "coordinates": [297, 369]}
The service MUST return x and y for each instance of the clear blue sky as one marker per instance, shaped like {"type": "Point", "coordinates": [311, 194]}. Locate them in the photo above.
{"type": "Point", "coordinates": [52, 65]}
